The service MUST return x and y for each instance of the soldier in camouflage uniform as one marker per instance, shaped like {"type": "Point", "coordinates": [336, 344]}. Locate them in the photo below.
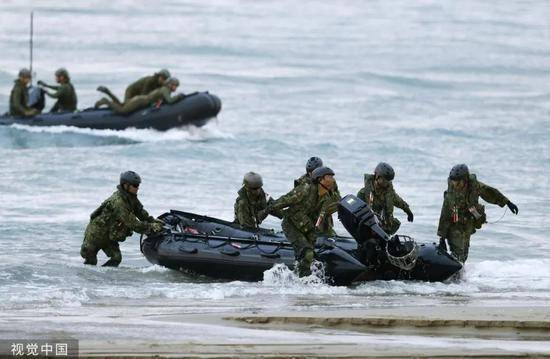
{"type": "Point", "coordinates": [251, 204]}
{"type": "Point", "coordinates": [141, 87]}
{"type": "Point", "coordinates": [330, 202]}
{"type": "Point", "coordinates": [158, 96]}
{"type": "Point", "coordinates": [379, 194]}
{"type": "Point", "coordinates": [462, 213]}
{"type": "Point", "coordinates": [115, 220]}
{"type": "Point", "coordinates": [303, 212]}
{"type": "Point", "coordinates": [19, 96]}
{"type": "Point", "coordinates": [64, 92]}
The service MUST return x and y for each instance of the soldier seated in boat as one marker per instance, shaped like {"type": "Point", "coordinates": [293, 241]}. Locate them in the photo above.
{"type": "Point", "coordinates": [64, 92]}
{"type": "Point", "coordinates": [141, 87]}
{"type": "Point", "coordinates": [156, 97]}
{"type": "Point", "coordinates": [19, 96]}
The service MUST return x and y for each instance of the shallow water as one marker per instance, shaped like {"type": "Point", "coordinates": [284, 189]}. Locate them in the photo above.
{"type": "Point", "coordinates": [420, 85]}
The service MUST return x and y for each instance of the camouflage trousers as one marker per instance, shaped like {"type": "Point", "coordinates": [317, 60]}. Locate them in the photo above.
{"type": "Point", "coordinates": [130, 106]}
{"type": "Point", "coordinates": [458, 238]}
{"type": "Point", "coordinates": [92, 244]}
{"type": "Point", "coordinates": [303, 245]}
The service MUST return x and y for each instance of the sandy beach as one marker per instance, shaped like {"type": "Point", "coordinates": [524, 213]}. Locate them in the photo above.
{"type": "Point", "coordinates": [426, 332]}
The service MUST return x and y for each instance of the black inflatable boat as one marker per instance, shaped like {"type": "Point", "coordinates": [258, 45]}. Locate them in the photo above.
{"type": "Point", "coordinates": [195, 109]}
{"type": "Point", "coordinates": [221, 249]}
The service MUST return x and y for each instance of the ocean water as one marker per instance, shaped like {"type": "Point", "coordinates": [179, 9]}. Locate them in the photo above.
{"type": "Point", "coordinates": [422, 85]}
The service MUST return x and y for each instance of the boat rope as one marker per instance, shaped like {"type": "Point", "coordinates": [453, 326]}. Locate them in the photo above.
{"type": "Point", "coordinates": [501, 217]}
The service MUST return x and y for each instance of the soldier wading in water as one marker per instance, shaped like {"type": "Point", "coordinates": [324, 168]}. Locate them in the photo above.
{"type": "Point", "coordinates": [462, 213]}
{"type": "Point", "coordinates": [115, 220]}
{"type": "Point", "coordinates": [304, 206]}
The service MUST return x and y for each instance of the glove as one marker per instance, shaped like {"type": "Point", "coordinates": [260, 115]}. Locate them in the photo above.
{"type": "Point", "coordinates": [442, 244]}
{"type": "Point", "coordinates": [410, 215]}
{"type": "Point", "coordinates": [41, 83]}
{"type": "Point", "coordinates": [156, 227]}
{"type": "Point", "coordinates": [512, 207]}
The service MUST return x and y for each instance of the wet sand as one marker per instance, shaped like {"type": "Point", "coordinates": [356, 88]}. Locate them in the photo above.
{"type": "Point", "coordinates": [499, 332]}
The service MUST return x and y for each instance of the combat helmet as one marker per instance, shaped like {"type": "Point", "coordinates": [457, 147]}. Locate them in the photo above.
{"type": "Point", "coordinates": [130, 177]}
{"type": "Point", "coordinates": [62, 72]}
{"type": "Point", "coordinates": [164, 73]}
{"type": "Point", "coordinates": [172, 81]}
{"type": "Point", "coordinates": [459, 172]}
{"type": "Point", "coordinates": [253, 180]}
{"type": "Point", "coordinates": [385, 171]}
{"type": "Point", "coordinates": [321, 172]}
{"type": "Point", "coordinates": [313, 163]}
{"type": "Point", "coordinates": [24, 73]}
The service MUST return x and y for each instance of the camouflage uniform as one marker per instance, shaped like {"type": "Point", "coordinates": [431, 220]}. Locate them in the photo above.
{"type": "Point", "coordinates": [250, 212]}
{"type": "Point", "coordinates": [304, 207]}
{"type": "Point", "coordinates": [19, 99]}
{"type": "Point", "coordinates": [112, 222]}
{"type": "Point", "coordinates": [143, 86]}
{"type": "Point", "coordinates": [382, 203]}
{"type": "Point", "coordinates": [329, 206]}
{"type": "Point", "coordinates": [66, 97]}
{"type": "Point", "coordinates": [138, 102]}
{"type": "Point", "coordinates": [457, 223]}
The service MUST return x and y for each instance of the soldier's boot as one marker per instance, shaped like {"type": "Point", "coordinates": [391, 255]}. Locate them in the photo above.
{"type": "Point", "coordinates": [101, 102]}
{"type": "Point", "coordinates": [457, 247]}
{"type": "Point", "coordinates": [111, 263]}
{"type": "Point", "coordinates": [90, 257]}
{"type": "Point", "coordinates": [304, 265]}
{"type": "Point", "coordinates": [115, 257]}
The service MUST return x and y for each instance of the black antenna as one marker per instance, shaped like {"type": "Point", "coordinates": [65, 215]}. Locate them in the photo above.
{"type": "Point", "coordinates": [30, 42]}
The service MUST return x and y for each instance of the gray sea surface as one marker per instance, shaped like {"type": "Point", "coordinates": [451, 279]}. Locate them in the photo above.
{"type": "Point", "coordinates": [422, 85]}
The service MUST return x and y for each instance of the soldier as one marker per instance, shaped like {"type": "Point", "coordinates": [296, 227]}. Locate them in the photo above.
{"type": "Point", "coordinates": [330, 202]}
{"type": "Point", "coordinates": [379, 194]}
{"type": "Point", "coordinates": [311, 164]}
{"type": "Point", "coordinates": [462, 213]}
{"type": "Point", "coordinates": [251, 204]}
{"type": "Point", "coordinates": [19, 96]}
{"type": "Point", "coordinates": [141, 87]}
{"type": "Point", "coordinates": [115, 220]}
{"type": "Point", "coordinates": [304, 209]}
{"type": "Point", "coordinates": [162, 94]}
{"type": "Point", "coordinates": [64, 92]}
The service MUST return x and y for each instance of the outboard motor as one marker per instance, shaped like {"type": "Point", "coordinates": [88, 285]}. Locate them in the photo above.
{"type": "Point", "coordinates": [374, 245]}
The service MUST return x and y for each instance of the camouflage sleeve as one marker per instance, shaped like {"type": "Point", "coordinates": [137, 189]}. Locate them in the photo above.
{"type": "Point", "coordinates": [492, 195]}
{"type": "Point", "coordinates": [167, 98]}
{"type": "Point", "coordinates": [292, 197]}
{"type": "Point", "coordinates": [53, 87]}
{"type": "Point", "coordinates": [400, 202]}
{"type": "Point", "coordinates": [125, 216]}
{"type": "Point", "coordinates": [143, 215]}
{"type": "Point", "coordinates": [243, 215]}
{"type": "Point", "coordinates": [59, 91]}
{"type": "Point", "coordinates": [15, 105]}
{"type": "Point", "coordinates": [361, 195]}
{"type": "Point", "coordinates": [444, 218]}
{"type": "Point", "coordinates": [330, 203]}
